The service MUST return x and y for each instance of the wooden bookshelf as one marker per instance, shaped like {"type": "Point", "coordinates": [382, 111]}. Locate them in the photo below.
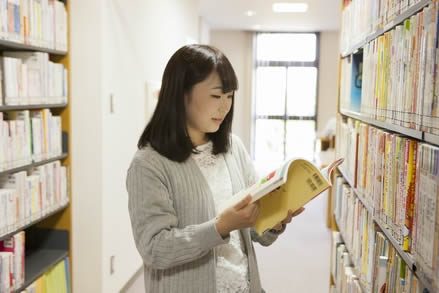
{"type": "Point", "coordinates": [32, 107]}
{"type": "Point", "coordinates": [40, 262]}
{"type": "Point", "coordinates": [33, 164]}
{"type": "Point", "coordinates": [44, 249]}
{"type": "Point", "coordinates": [8, 45]}
{"type": "Point", "coordinates": [34, 222]}
{"type": "Point", "coordinates": [48, 238]}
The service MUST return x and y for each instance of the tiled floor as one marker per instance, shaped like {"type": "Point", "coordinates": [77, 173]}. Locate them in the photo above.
{"type": "Point", "coordinates": [297, 262]}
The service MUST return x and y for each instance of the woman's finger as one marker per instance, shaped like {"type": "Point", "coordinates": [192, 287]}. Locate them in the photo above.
{"type": "Point", "coordinates": [298, 212]}
{"type": "Point", "coordinates": [287, 220]}
{"type": "Point", "coordinates": [278, 227]}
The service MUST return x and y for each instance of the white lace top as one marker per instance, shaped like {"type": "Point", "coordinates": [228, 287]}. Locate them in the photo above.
{"type": "Point", "coordinates": [232, 264]}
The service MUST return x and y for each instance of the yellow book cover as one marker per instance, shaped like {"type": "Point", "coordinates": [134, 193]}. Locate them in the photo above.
{"type": "Point", "coordinates": [41, 284]}
{"type": "Point", "coordinates": [59, 278]}
{"type": "Point", "coordinates": [292, 185]}
{"type": "Point", "coordinates": [410, 189]}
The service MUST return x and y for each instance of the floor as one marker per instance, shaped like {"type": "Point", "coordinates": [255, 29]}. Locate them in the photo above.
{"type": "Point", "coordinates": [297, 262]}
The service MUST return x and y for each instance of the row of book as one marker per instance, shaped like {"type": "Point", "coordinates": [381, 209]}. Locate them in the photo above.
{"type": "Point", "coordinates": [342, 269]}
{"type": "Point", "coordinates": [372, 259]}
{"type": "Point", "coordinates": [358, 230]}
{"type": "Point", "coordinates": [30, 78]}
{"type": "Point", "coordinates": [27, 136]}
{"type": "Point", "coordinates": [361, 18]}
{"type": "Point", "coordinates": [29, 195]}
{"type": "Point", "coordinates": [57, 279]}
{"type": "Point", "coordinates": [397, 177]}
{"type": "Point", "coordinates": [394, 78]}
{"type": "Point", "coordinates": [426, 218]}
{"type": "Point", "coordinates": [399, 73]}
{"type": "Point", "coordinates": [41, 23]}
{"type": "Point", "coordinates": [12, 256]}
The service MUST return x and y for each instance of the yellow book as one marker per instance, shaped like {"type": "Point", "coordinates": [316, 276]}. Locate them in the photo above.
{"type": "Point", "coordinates": [292, 185]}
{"type": "Point", "coordinates": [41, 284]}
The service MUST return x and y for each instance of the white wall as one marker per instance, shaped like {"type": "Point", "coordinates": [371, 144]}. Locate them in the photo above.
{"type": "Point", "coordinates": [116, 47]}
{"type": "Point", "coordinates": [204, 31]}
{"type": "Point", "coordinates": [328, 77]}
{"type": "Point", "coordinates": [237, 46]}
{"type": "Point", "coordinates": [86, 143]}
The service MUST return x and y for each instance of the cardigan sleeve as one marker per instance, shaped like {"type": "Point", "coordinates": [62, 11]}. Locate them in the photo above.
{"type": "Point", "coordinates": [251, 176]}
{"type": "Point", "coordinates": [159, 240]}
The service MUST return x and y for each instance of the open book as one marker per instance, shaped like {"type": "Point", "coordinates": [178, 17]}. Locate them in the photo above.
{"type": "Point", "coordinates": [292, 185]}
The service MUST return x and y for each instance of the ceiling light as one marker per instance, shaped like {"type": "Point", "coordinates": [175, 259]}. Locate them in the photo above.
{"type": "Point", "coordinates": [290, 7]}
{"type": "Point", "coordinates": [250, 13]}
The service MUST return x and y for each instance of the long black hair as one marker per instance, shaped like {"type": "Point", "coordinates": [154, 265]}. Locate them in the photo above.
{"type": "Point", "coordinates": [166, 132]}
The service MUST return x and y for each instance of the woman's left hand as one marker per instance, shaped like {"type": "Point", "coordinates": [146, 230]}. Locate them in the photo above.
{"type": "Point", "coordinates": [288, 218]}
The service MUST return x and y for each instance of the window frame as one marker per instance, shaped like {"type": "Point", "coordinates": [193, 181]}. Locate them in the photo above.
{"type": "Point", "coordinates": [286, 64]}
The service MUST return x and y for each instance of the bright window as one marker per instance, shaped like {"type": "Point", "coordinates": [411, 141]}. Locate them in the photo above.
{"type": "Point", "coordinates": [286, 80]}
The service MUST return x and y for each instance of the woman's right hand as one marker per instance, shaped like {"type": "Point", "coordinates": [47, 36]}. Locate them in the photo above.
{"type": "Point", "coordinates": [242, 215]}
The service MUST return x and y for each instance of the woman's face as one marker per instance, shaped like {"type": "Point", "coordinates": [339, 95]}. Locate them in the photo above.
{"type": "Point", "coordinates": [206, 107]}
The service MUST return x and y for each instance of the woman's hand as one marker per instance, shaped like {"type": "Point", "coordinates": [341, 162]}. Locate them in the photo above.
{"type": "Point", "coordinates": [288, 218]}
{"type": "Point", "coordinates": [242, 215]}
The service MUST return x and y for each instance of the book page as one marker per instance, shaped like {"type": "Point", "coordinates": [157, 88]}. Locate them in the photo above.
{"type": "Point", "coordinates": [258, 189]}
{"type": "Point", "coordinates": [305, 181]}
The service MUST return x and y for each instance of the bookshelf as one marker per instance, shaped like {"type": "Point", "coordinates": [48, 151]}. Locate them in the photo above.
{"type": "Point", "coordinates": [32, 107]}
{"type": "Point", "coordinates": [349, 249]}
{"type": "Point", "coordinates": [394, 20]}
{"type": "Point", "coordinates": [398, 20]}
{"type": "Point", "coordinates": [5, 44]}
{"type": "Point", "coordinates": [405, 256]}
{"type": "Point", "coordinates": [34, 164]}
{"type": "Point", "coordinates": [384, 125]}
{"type": "Point", "coordinates": [431, 138]}
{"type": "Point", "coordinates": [47, 237]}
{"type": "Point", "coordinates": [40, 262]}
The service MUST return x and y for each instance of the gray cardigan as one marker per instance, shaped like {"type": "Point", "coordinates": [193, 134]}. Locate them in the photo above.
{"type": "Point", "coordinates": [173, 220]}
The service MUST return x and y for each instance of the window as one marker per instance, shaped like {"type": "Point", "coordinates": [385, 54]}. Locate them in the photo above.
{"type": "Point", "coordinates": [286, 79]}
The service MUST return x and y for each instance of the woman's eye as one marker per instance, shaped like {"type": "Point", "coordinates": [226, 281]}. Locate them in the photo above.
{"type": "Point", "coordinates": [230, 97]}
{"type": "Point", "coordinates": [216, 97]}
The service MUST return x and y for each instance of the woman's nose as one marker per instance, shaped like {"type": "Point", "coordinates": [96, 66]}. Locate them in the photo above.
{"type": "Point", "coordinates": [225, 105]}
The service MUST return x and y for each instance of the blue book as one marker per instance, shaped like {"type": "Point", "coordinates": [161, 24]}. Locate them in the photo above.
{"type": "Point", "coordinates": [357, 70]}
{"type": "Point", "coordinates": [67, 269]}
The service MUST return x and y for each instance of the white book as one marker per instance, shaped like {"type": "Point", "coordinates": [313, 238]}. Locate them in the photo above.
{"type": "Point", "coordinates": [24, 90]}
{"type": "Point", "coordinates": [24, 116]}
{"type": "Point", "coordinates": [33, 185]}
{"type": "Point", "coordinates": [3, 213]}
{"type": "Point", "coordinates": [37, 66]}
{"type": "Point", "coordinates": [64, 185]}
{"type": "Point", "coordinates": [25, 20]}
{"type": "Point", "coordinates": [4, 19]}
{"type": "Point", "coordinates": [6, 270]}
{"type": "Point", "coordinates": [17, 182]}
{"type": "Point", "coordinates": [10, 73]}
{"type": "Point", "coordinates": [37, 135]}
{"type": "Point", "coordinates": [10, 196]}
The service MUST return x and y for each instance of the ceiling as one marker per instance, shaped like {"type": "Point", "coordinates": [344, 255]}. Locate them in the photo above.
{"type": "Point", "coordinates": [322, 15]}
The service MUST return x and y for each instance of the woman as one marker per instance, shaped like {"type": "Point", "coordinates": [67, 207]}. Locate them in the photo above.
{"type": "Point", "coordinates": [187, 164]}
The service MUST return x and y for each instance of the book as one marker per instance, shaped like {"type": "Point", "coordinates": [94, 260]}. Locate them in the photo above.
{"type": "Point", "coordinates": [56, 279]}
{"type": "Point", "coordinates": [31, 78]}
{"type": "Point", "coordinates": [296, 182]}
{"type": "Point", "coordinates": [15, 245]}
{"type": "Point", "coordinates": [427, 213]}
